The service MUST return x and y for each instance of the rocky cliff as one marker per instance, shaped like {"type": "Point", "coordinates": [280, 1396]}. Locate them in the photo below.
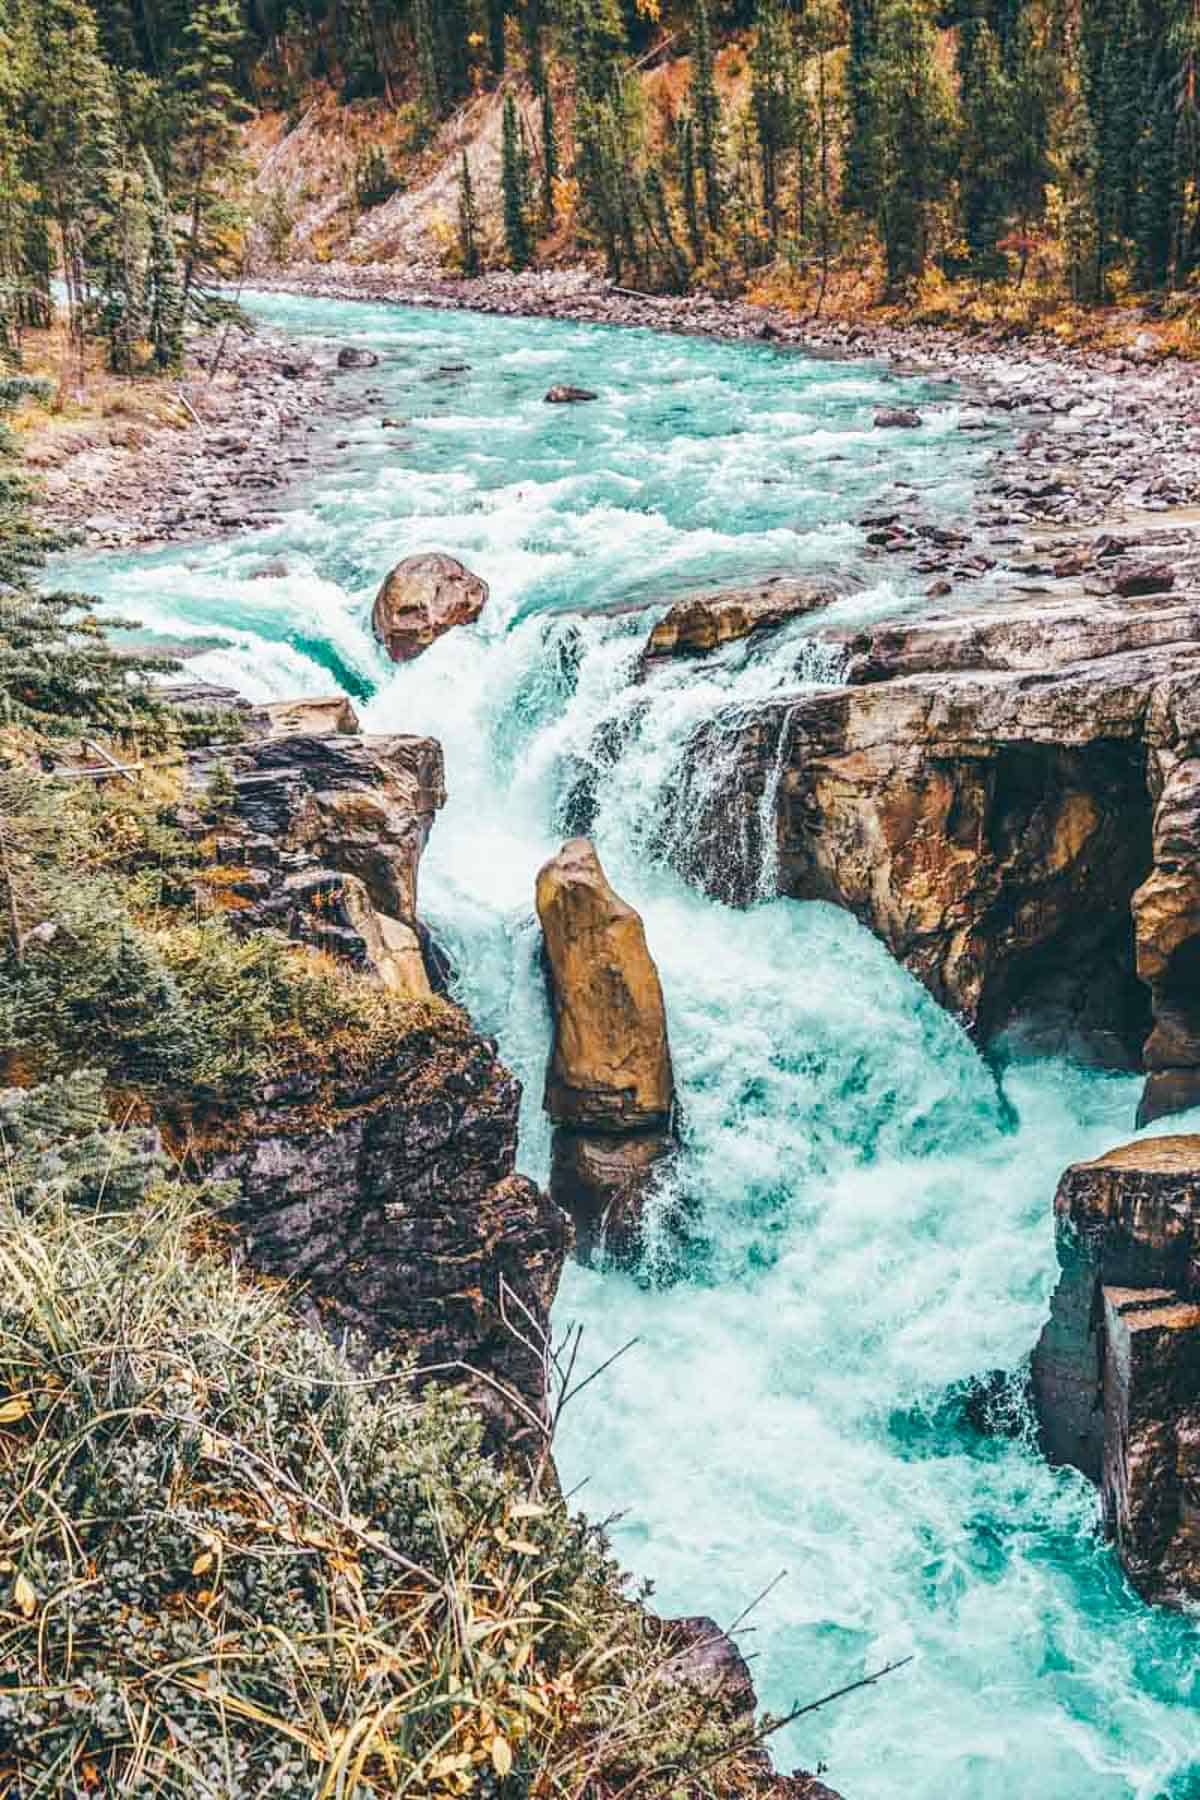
{"type": "Point", "coordinates": [1009, 795]}
{"type": "Point", "coordinates": [389, 1193]}
{"type": "Point", "coordinates": [1116, 1373]}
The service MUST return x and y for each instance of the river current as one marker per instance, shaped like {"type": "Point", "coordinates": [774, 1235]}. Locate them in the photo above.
{"type": "Point", "coordinates": [869, 1203]}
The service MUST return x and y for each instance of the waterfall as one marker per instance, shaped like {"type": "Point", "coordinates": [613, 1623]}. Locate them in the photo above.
{"type": "Point", "coordinates": [868, 1222]}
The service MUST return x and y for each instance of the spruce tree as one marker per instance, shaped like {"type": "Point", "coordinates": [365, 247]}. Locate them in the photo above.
{"type": "Point", "coordinates": [163, 300]}
{"type": "Point", "coordinates": [689, 186]}
{"type": "Point", "coordinates": [514, 183]}
{"type": "Point", "coordinates": [706, 105]}
{"type": "Point", "coordinates": [913, 122]}
{"type": "Point", "coordinates": [468, 224]}
{"type": "Point", "coordinates": [428, 74]}
{"type": "Point", "coordinates": [212, 110]}
{"type": "Point", "coordinates": [772, 99]}
{"type": "Point", "coordinates": [859, 153]}
{"type": "Point", "coordinates": [986, 142]}
{"type": "Point", "coordinates": [549, 158]}
{"type": "Point", "coordinates": [497, 14]}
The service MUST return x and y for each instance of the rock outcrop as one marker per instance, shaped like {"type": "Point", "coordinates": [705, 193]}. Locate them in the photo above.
{"type": "Point", "coordinates": [393, 1200]}
{"type": "Point", "coordinates": [1116, 1373]}
{"type": "Point", "coordinates": [700, 623]}
{"type": "Point", "coordinates": [1010, 798]}
{"type": "Point", "coordinates": [389, 1195]}
{"type": "Point", "coordinates": [422, 599]}
{"type": "Point", "coordinates": [609, 1084]}
{"type": "Point", "coordinates": [320, 836]}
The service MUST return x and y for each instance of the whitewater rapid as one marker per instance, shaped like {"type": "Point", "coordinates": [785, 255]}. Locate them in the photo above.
{"type": "Point", "coordinates": [860, 1221]}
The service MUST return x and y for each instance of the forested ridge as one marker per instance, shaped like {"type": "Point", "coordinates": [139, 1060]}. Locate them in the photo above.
{"type": "Point", "coordinates": [695, 144]}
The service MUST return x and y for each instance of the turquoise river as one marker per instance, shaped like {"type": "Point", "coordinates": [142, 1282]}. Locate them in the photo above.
{"type": "Point", "coordinates": [873, 1222]}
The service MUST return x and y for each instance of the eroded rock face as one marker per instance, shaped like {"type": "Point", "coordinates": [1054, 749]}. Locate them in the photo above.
{"type": "Point", "coordinates": [393, 1200]}
{"type": "Point", "coordinates": [601, 1182]}
{"type": "Point", "coordinates": [320, 837]}
{"type": "Point", "coordinates": [699, 623]}
{"type": "Point", "coordinates": [390, 1197]}
{"type": "Point", "coordinates": [1116, 1372]}
{"type": "Point", "coordinates": [1151, 1477]}
{"type": "Point", "coordinates": [422, 598]}
{"type": "Point", "coordinates": [1166, 913]}
{"type": "Point", "coordinates": [1010, 799]}
{"type": "Point", "coordinates": [610, 1067]}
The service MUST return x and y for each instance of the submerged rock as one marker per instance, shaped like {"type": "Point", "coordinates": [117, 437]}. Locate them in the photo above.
{"type": "Point", "coordinates": [562, 394]}
{"type": "Point", "coordinates": [700, 623]}
{"type": "Point", "coordinates": [897, 418]}
{"type": "Point", "coordinates": [422, 598]}
{"type": "Point", "coordinates": [610, 1067]}
{"type": "Point", "coordinates": [1116, 1372]}
{"type": "Point", "coordinates": [354, 356]}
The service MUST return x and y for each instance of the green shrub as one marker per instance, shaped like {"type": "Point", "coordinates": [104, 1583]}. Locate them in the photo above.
{"type": "Point", "coordinates": [236, 1563]}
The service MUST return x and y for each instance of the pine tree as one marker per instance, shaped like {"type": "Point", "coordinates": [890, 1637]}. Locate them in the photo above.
{"type": "Point", "coordinates": [859, 155]}
{"type": "Point", "coordinates": [497, 14]}
{"type": "Point", "coordinates": [514, 182]}
{"type": "Point", "coordinates": [773, 103]}
{"type": "Point", "coordinates": [75, 155]}
{"type": "Point", "coordinates": [913, 123]}
{"type": "Point", "coordinates": [549, 158]}
{"type": "Point", "coordinates": [706, 105]}
{"type": "Point", "coordinates": [986, 142]}
{"type": "Point", "coordinates": [58, 669]}
{"type": "Point", "coordinates": [212, 109]}
{"type": "Point", "coordinates": [428, 74]}
{"type": "Point", "coordinates": [163, 300]}
{"type": "Point", "coordinates": [689, 185]}
{"type": "Point", "coordinates": [468, 224]}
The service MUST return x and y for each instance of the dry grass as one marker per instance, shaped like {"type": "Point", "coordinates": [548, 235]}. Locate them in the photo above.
{"type": "Point", "coordinates": [233, 1564]}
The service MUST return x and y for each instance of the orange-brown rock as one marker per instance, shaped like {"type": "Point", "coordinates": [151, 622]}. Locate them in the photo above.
{"type": "Point", "coordinates": [1116, 1372]}
{"type": "Point", "coordinates": [1010, 797]}
{"type": "Point", "coordinates": [610, 1066]}
{"type": "Point", "coordinates": [320, 836]}
{"type": "Point", "coordinates": [331, 715]}
{"type": "Point", "coordinates": [422, 598]}
{"type": "Point", "coordinates": [700, 623]}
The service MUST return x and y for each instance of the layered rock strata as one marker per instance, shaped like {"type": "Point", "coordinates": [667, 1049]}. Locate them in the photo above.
{"type": "Point", "coordinates": [389, 1195]}
{"type": "Point", "coordinates": [1116, 1373]}
{"type": "Point", "coordinates": [1009, 796]}
{"type": "Point", "coordinates": [609, 1083]}
{"type": "Point", "coordinates": [700, 623]}
{"type": "Point", "coordinates": [318, 833]}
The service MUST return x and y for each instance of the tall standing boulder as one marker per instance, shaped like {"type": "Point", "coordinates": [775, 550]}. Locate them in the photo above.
{"type": "Point", "coordinates": [422, 599]}
{"type": "Point", "coordinates": [610, 1068]}
{"type": "Point", "coordinates": [609, 1084]}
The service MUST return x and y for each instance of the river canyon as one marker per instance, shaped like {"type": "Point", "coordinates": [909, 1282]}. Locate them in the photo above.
{"type": "Point", "coordinates": [857, 1226]}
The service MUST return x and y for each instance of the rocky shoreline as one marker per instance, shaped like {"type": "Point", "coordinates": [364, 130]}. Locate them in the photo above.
{"type": "Point", "coordinates": [1108, 438]}
{"type": "Point", "coordinates": [202, 457]}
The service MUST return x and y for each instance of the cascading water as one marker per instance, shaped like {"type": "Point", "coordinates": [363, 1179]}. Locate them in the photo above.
{"type": "Point", "coordinates": [867, 1219]}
